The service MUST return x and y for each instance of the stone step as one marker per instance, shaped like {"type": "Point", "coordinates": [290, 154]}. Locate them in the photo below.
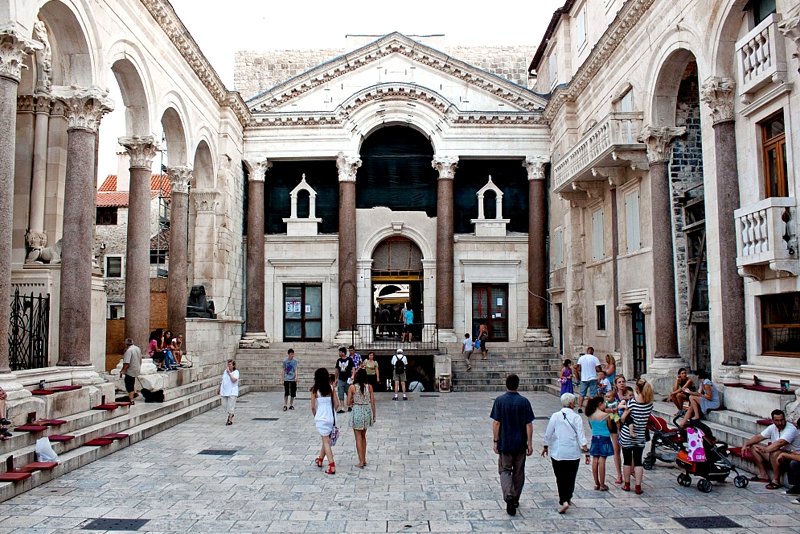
{"type": "Point", "coordinates": [493, 387]}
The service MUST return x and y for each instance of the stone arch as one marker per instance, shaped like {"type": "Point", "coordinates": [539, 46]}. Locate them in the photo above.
{"type": "Point", "coordinates": [203, 167]}
{"type": "Point", "coordinates": [172, 126]}
{"type": "Point", "coordinates": [134, 97]}
{"type": "Point", "coordinates": [381, 234]}
{"type": "Point", "coordinates": [723, 45]}
{"type": "Point", "coordinates": [73, 62]}
{"type": "Point", "coordinates": [426, 119]}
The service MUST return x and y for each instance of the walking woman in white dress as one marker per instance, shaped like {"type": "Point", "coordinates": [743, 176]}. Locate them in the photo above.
{"type": "Point", "coordinates": [323, 405]}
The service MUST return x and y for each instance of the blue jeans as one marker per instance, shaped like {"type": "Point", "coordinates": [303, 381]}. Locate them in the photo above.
{"type": "Point", "coordinates": [341, 389]}
{"type": "Point", "coordinates": [169, 359]}
{"type": "Point", "coordinates": [589, 386]}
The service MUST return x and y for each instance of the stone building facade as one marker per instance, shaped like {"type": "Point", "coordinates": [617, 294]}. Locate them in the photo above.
{"type": "Point", "coordinates": [673, 216]}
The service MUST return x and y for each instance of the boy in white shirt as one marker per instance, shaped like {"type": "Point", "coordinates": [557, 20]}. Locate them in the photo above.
{"type": "Point", "coordinates": [466, 349]}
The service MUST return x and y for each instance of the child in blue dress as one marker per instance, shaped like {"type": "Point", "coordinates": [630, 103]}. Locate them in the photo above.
{"type": "Point", "coordinates": [601, 447]}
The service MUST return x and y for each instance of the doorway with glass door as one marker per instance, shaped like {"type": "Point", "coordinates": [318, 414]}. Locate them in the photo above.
{"type": "Point", "coordinates": [302, 312]}
{"type": "Point", "coordinates": [490, 307]}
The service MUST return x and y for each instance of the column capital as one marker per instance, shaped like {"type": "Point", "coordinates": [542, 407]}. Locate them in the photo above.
{"type": "Point", "coordinates": [445, 166]}
{"type": "Point", "coordinates": [84, 106]}
{"type": "Point", "coordinates": [141, 150]}
{"type": "Point", "coordinates": [179, 178]}
{"type": "Point", "coordinates": [348, 166]}
{"type": "Point", "coordinates": [258, 169]}
{"type": "Point", "coordinates": [14, 47]}
{"type": "Point", "coordinates": [206, 201]}
{"type": "Point", "coordinates": [718, 94]}
{"type": "Point", "coordinates": [25, 103]}
{"type": "Point", "coordinates": [659, 141]}
{"type": "Point", "coordinates": [535, 166]}
{"type": "Point", "coordinates": [42, 104]}
{"type": "Point", "coordinates": [790, 28]}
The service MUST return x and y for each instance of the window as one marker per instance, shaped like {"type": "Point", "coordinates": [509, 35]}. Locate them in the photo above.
{"type": "Point", "coordinates": [106, 216]}
{"type": "Point", "coordinates": [490, 307]}
{"type": "Point", "coordinates": [580, 28]}
{"type": "Point", "coordinates": [552, 69]}
{"type": "Point", "coordinates": [773, 143]}
{"type": "Point", "coordinates": [780, 324]}
{"type": "Point", "coordinates": [158, 256]}
{"type": "Point", "coordinates": [113, 266]}
{"type": "Point", "coordinates": [761, 9]}
{"type": "Point", "coordinates": [302, 312]}
{"type": "Point", "coordinates": [597, 235]}
{"type": "Point", "coordinates": [633, 235]}
{"type": "Point", "coordinates": [115, 311]}
{"type": "Point", "coordinates": [557, 247]}
{"type": "Point", "coordinates": [601, 317]}
{"type": "Point", "coordinates": [625, 102]}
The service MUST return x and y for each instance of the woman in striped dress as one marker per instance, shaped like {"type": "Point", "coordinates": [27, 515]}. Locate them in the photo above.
{"type": "Point", "coordinates": [632, 433]}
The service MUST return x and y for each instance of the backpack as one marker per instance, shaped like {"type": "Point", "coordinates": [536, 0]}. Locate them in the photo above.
{"type": "Point", "coordinates": [399, 365]}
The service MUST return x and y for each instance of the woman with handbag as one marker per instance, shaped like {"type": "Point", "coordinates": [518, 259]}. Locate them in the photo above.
{"type": "Point", "coordinates": [323, 406]}
{"type": "Point", "coordinates": [564, 441]}
{"type": "Point", "coordinates": [361, 398]}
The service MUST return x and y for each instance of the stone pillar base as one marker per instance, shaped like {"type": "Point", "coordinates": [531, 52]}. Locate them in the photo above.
{"type": "Point", "coordinates": [539, 337]}
{"type": "Point", "coordinates": [448, 335]}
{"type": "Point", "coordinates": [344, 338]}
{"type": "Point", "coordinates": [662, 372]}
{"type": "Point", "coordinates": [254, 340]}
{"type": "Point", "coordinates": [84, 375]}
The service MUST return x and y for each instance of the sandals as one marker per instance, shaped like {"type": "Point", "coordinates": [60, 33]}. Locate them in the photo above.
{"type": "Point", "coordinates": [618, 481]}
{"type": "Point", "coordinates": [773, 486]}
{"type": "Point", "coordinates": [603, 487]}
{"type": "Point", "coordinates": [626, 486]}
{"type": "Point", "coordinates": [285, 408]}
{"type": "Point", "coordinates": [318, 462]}
{"type": "Point", "coordinates": [756, 478]}
{"type": "Point", "coordinates": [331, 469]}
{"type": "Point", "coordinates": [638, 489]}
{"type": "Point", "coordinates": [291, 407]}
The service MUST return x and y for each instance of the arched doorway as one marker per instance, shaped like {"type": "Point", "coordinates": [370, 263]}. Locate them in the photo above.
{"type": "Point", "coordinates": [397, 285]}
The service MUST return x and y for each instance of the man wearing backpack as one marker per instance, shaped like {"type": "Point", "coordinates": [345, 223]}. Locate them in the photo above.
{"type": "Point", "coordinates": [399, 362]}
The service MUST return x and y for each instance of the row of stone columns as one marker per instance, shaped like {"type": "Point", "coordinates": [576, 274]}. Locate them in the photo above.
{"type": "Point", "coordinates": [347, 168]}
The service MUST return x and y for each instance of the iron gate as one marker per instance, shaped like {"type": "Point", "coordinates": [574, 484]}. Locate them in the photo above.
{"type": "Point", "coordinates": [29, 332]}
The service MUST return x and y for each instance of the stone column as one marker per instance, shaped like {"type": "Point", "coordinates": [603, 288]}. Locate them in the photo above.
{"type": "Point", "coordinates": [446, 167]}
{"type": "Point", "coordinates": [718, 94]}
{"type": "Point", "coordinates": [13, 49]}
{"type": "Point", "coordinates": [659, 152]}
{"type": "Point", "coordinates": [141, 151]}
{"type": "Point", "coordinates": [348, 268]}
{"type": "Point", "coordinates": [37, 238]}
{"type": "Point", "coordinates": [84, 107]}
{"type": "Point", "coordinates": [256, 296]}
{"type": "Point", "coordinates": [537, 331]}
{"type": "Point", "coordinates": [178, 274]}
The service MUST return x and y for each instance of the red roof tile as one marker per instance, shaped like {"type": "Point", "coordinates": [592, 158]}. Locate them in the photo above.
{"type": "Point", "coordinates": [108, 196]}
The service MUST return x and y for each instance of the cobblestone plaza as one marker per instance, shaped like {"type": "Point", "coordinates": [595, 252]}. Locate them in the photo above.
{"type": "Point", "coordinates": [430, 469]}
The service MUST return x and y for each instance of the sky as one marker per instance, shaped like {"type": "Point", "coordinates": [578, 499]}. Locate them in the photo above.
{"type": "Point", "coordinates": [221, 29]}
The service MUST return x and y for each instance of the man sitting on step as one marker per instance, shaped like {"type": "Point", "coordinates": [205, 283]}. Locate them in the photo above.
{"type": "Point", "coordinates": [781, 436]}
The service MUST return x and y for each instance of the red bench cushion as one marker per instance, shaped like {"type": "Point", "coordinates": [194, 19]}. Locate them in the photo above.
{"type": "Point", "coordinates": [42, 392]}
{"type": "Point", "coordinates": [38, 466]}
{"type": "Point", "coordinates": [115, 436]}
{"type": "Point", "coordinates": [106, 406]}
{"type": "Point", "coordinates": [66, 388]}
{"type": "Point", "coordinates": [30, 428]}
{"type": "Point", "coordinates": [51, 422]}
{"type": "Point", "coordinates": [14, 476]}
{"type": "Point", "coordinates": [61, 437]}
{"type": "Point", "coordinates": [99, 442]}
{"type": "Point", "coordinates": [741, 453]}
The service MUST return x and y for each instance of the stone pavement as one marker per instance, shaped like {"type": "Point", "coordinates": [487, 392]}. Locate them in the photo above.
{"type": "Point", "coordinates": [430, 469]}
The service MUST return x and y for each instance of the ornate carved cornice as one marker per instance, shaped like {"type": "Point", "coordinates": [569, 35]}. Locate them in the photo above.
{"type": "Point", "coordinates": [627, 18]}
{"type": "Point", "coordinates": [258, 169]}
{"type": "Point", "coordinates": [445, 166]}
{"type": "Point", "coordinates": [718, 93]}
{"type": "Point", "coordinates": [180, 177]}
{"type": "Point", "coordinates": [659, 141]}
{"type": "Point", "coordinates": [141, 150]}
{"type": "Point", "coordinates": [535, 167]}
{"type": "Point", "coordinates": [173, 27]}
{"type": "Point", "coordinates": [83, 107]}
{"type": "Point", "coordinates": [25, 103]}
{"type": "Point", "coordinates": [396, 43]}
{"type": "Point", "coordinates": [206, 201]}
{"type": "Point", "coordinates": [348, 166]}
{"type": "Point", "coordinates": [14, 47]}
{"type": "Point", "coordinates": [790, 28]}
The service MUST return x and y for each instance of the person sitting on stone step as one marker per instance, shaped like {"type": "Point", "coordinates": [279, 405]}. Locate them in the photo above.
{"type": "Point", "coordinates": [4, 422]}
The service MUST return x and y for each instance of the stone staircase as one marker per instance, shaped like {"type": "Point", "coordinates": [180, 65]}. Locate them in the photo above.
{"type": "Point", "coordinates": [537, 368]}
{"type": "Point", "coordinates": [189, 392]}
{"type": "Point", "coordinates": [262, 368]}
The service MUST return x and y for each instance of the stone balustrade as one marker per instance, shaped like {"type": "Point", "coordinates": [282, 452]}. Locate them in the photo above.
{"type": "Point", "coordinates": [615, 130]}
{"type": "Point", "coordinates": [761, 57]}
{"type": "Point", "coordinates": [766, 237]}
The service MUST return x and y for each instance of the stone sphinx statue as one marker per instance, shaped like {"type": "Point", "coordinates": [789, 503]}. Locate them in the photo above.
{"type": "Point", "coordinates": [42, 254]}
{"type": "Point", "coordinates": [198, 305]}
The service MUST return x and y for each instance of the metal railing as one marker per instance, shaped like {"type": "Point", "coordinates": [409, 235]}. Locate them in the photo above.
{"type": "Point", "coordinates": [389, 336]}
{"type": "Point", "coordinates": [29, 332]}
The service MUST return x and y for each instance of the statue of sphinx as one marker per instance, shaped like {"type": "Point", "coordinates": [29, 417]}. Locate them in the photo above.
{"type": "Point", "coordinates": [198, 305]}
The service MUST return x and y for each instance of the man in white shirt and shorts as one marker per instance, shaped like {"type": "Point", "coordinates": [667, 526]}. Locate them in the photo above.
{"type": "Point", "coordinates": [587, 370]}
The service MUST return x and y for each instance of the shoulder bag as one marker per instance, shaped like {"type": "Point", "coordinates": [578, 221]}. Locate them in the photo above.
{"type": "Point", "coordinates": [334, 435]}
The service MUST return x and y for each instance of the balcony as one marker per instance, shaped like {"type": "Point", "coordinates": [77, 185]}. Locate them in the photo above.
{"type": "Point", "coordinates": [766, 238]}
{"type": "Point", "coordinates": [761, 57]}
{"type": "Point", "coordinates": [603, 153]}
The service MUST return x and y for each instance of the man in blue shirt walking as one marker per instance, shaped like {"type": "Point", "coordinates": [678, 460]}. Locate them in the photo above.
{"type": "Point", "coordinates": [512, 428]}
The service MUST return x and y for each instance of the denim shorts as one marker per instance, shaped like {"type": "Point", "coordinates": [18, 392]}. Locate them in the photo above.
{"type": "Point", "coordinates": [601, 446]}
{"type": "Point", "coordinates": [589, 386]}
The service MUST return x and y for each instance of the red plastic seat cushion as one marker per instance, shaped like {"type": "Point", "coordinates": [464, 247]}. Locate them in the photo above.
{"type": "Point", "coordinates": [38, 466]}
{"type": "Point", "coordinates": [43, 392]}
{"type": "Point", "coordinates": [14, 476]}
{"type": "Point", "coordinates": [99, 442]}
{"type": "Point", "coordinates": [106, 406]}
{"type": "Point", "coordinates": [61, 437]}
{"type": "Point", "coordinates": [66, 388]}
{"type": "Point", "coordinates": [115, 436]}
{"type": "Point", "coordinates": [765, 422]}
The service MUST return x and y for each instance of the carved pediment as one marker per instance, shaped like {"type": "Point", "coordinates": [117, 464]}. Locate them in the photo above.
{"type": "Point", "coordinates": [396, 66]}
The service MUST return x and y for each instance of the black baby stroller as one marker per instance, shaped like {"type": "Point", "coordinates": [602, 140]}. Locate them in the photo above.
{"type": "Point", "coordinates": [715, 468]}
{"type": "Point", "coordinates": [665, 442]}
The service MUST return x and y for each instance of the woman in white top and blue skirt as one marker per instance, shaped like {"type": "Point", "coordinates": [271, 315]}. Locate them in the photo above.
{"type": "Point", "coordinates": [565, 441]}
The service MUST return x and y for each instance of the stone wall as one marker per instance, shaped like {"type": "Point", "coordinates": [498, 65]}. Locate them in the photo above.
{"type": "Point", "coordinates": [256, 72]}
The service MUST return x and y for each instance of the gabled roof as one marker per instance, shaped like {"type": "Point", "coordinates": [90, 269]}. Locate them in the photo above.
{"type": "Point", "coordinates": [396, 43]}
{"type": "Point", "coordinates": [109, 197]}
